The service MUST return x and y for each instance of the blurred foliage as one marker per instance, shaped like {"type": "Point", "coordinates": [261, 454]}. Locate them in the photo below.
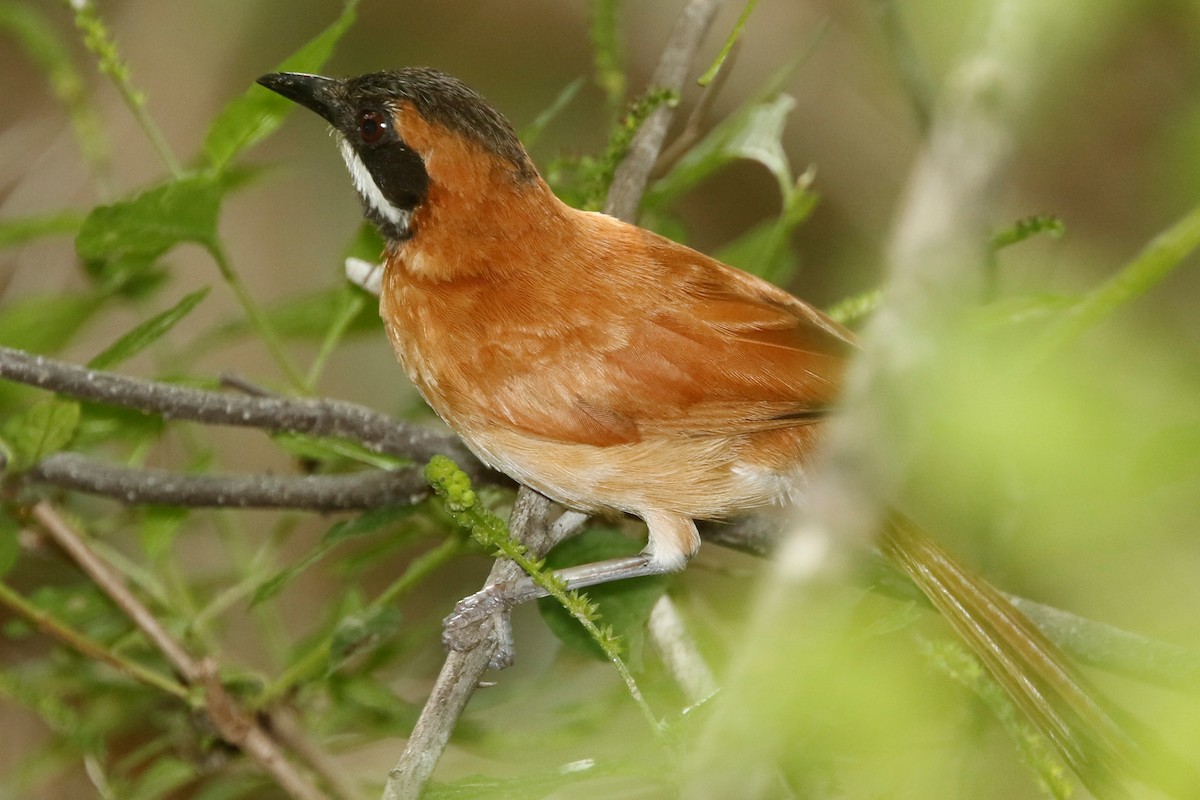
{"type": "Point", "coordinates": [1062, 428]}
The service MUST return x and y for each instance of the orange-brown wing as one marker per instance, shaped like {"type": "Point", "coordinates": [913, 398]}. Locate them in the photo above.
{"type": "Point", "coordinates": [709, 351]}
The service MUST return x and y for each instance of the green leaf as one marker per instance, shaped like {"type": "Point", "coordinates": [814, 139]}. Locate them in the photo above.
{"type": "Point", "coordinates": [850, 310]}
{"type": "Point", "coordinates": [1028, 227]}
{"type": "Point", "coordinates": [46, 323]}
{"type": "Point", "coordinates": [365, 523]}
{"type": "Point", "coordinates": [158, 527]}
{"type": "Point", "coordinates": [533, 131]}
{"type": "Point", "coordinates": [256, 114]}
{"type": "Point", "coordinates": [121, 241]}
{"type": "Point", "coordinates": [754, 132]}
{"type": "Point", "coordinates": [146, 333]}
{"type": "Point", "coordinates": [624, 605]}
{"type": "Point", "coordinates": [43, 428]}
{"type": "Point", "coordinates": [26, 229]}
{"type": "Point", "coordinates": [335, 452]}
{"type": "Point", "coordinates": [161, 777]}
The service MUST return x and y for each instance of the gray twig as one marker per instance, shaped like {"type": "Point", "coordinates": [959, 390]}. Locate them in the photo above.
{"type": "Point", "coordinates": [463, 669]}
{"type": "Point", "coordinates": [629, 181]}
{"type": "Point", "coordinates": [333, 418]}
{"type": "Point", "coordinates": [325, 493]}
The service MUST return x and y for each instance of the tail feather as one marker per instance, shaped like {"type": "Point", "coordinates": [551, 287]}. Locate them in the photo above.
{"type": "Point", "coordinates": [1030, 668]}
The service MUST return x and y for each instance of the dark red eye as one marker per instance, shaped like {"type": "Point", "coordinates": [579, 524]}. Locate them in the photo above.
{"type": "Point", "coordinates": [371, 126]}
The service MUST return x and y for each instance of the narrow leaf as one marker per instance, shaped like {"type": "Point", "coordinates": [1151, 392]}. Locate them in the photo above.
{"type": "Point", "coordinates": [363, 524]}
{"type": "Point", "coordinates": [256, 114]}
{"type": "Point", "coordinates": [146, 333]}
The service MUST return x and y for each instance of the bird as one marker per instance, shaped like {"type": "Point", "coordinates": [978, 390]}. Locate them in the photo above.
{"type": "Point", "coordinates": [615, 370]}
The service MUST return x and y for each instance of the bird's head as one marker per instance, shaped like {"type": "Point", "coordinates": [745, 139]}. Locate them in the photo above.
{"type": "Point", "coordinates": [407, 133]}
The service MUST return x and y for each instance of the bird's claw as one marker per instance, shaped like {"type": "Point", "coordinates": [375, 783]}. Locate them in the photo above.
{"type": "Point", "coordinates": [477, 618]}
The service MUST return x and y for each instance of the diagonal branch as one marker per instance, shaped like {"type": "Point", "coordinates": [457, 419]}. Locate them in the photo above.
{"type": "Point", "coordinates": [629, 181]}
{"type": "Point", "coordinates": [236, 726]}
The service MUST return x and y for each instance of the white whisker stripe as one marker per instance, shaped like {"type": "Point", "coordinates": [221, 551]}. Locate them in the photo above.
{"type": "Point", "coordinates": [366, 187]}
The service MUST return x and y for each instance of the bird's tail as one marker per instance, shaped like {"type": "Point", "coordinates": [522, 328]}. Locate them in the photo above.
{"type": "Point", "coordinates": [1030, 668]}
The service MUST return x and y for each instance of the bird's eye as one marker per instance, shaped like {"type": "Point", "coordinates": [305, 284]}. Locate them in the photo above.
{"type": "Point", "coordinates": [371, 126]}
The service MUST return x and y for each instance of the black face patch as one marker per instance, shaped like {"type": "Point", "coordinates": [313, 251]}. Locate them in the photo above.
{"type": "Point", "coordinates": [396, 182]}
{"type": "Point", "coordinates": [398, 172]}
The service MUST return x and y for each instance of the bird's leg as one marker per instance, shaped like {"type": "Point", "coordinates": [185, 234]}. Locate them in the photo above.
{"type": "Point", "coordinates": [500, 597]}
{"type": "Point", "coordinates": [673, 540]}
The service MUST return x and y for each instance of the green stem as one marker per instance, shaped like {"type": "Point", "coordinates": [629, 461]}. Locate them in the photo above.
{"type": "Point", "coordinates": [99, 41]}
{"type": "Point", "coordinates": [1158, 258]}
{"type": "Point", "coordinates": [257, 318]}
{"type": "Point", "coordinates": [337, 329]}
{"type": "Point", "coordinates": [86, 645]}
{"type": "Point", "coordinates": [727, 48]}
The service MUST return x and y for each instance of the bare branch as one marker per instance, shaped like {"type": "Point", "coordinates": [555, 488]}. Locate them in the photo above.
{"type": "Point", "coordinates": [354, 492]}
{"type": "Point", "coordinates": [629, 182]}
{"type": "Point", "coordinates": [463, 669]}
{"type": "Point", "coordinates": [334, 418]}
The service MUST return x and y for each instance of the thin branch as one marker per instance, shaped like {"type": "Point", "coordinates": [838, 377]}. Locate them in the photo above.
{"type": "Point", "coordinates": [629, 181]}
{"type": "Point", "coordinates": [334, 418]}
{"type": "Point", "coordinates": [235, 725]}
{"type": "Point", "coordinates": [463, 669]}
{"type": "Point", "coordinates": [86, 645]}
{"type": "Point", "coordinates": [324, 493]}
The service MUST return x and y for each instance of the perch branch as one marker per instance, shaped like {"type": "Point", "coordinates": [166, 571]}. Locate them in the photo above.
{"type": "Point", "coordinates": [463, 669]}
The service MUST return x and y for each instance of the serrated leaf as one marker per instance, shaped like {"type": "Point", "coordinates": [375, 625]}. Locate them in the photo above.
{"type": "Point", "coordinates": [256, 114]}
{"type": "Point", "coordinates": [41, 429]}
{"type": "Point", "coordinates": [147, 332]}
{"type": "Point", "coordinates": [624, 606]}
{"type": "Point", "coordinates": [120, 242]}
